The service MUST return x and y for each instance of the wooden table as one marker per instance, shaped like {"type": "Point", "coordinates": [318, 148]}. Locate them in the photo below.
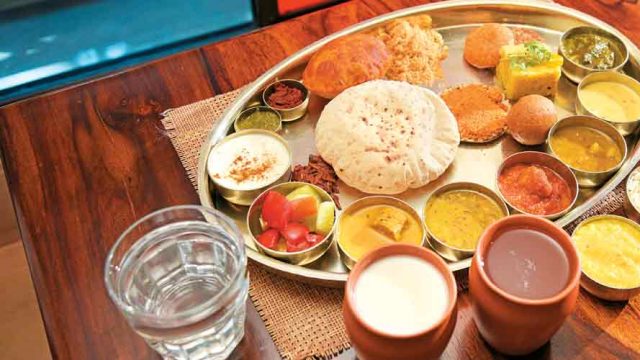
{"type": "Point", "coordinates": [86, 161]}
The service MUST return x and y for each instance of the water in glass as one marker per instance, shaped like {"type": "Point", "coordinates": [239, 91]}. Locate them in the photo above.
{"type": "Point", "coordinates": [182, 283]}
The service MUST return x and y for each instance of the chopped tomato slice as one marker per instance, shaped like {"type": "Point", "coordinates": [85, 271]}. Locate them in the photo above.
{"type": "Point", "coordinates": [314, 238]}
{"type": "Point", "coordinates": [303, 207]}
{"type": "Point", "coordinates": [269, 238]}
{"type": "Point", "coordinates": [276, 210]}
{"type": "Point", "coordinates": [295, 233]}
{"type": "Point", "coordinates": [298, 247]}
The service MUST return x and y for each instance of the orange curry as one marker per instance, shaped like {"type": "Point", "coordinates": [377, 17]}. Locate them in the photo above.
{"type": "Point", "coordinates": [535, 189]}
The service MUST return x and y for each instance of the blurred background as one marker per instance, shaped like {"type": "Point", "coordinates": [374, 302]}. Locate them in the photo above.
{"type": "Point", "coordinates": [48, 44]}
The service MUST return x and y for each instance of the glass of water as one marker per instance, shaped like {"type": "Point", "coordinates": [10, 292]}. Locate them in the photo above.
{"type": "Point", "coordinates": [179, 277]}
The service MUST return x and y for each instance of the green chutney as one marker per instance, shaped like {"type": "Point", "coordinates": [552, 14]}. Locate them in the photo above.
{"type": "Point", "coordinates": [259, 119]}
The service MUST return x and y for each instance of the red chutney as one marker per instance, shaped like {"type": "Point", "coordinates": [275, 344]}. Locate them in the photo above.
{"type": "Point", "coordinates": [535, 189]}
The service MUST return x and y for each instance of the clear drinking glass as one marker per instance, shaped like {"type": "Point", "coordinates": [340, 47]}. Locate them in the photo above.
{"type": "Point", "coordinates": [179, 277]}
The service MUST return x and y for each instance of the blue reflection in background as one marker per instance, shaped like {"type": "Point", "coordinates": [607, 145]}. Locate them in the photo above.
{"type": "Point", "coordinates": [51, 43]}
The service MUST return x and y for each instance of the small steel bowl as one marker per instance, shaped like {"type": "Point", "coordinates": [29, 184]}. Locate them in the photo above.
{"type": "Point", "coordinates": [245, 197]}
{"type": "Point", "coordinates": [367, 201]}
{"type": "Point", "coordinates": [442, 248]}
{"type": "Point", "coordinates": [303, 257]}
{"type": "Point", "coordinates": [626, 127]}
{"type": "Point", "coordinates": [575, 71]}
{"type": "Point", "coordinates": [596, 288]}
{"type": "Point", "coordinates": [540, 158]}
{"type": "Point", "coordinates": [631, 207]}
{"type": "Point", "coordinates": [589, 179]}
{"type": "Point", "coordinates": [246, 112]}
{"type": "Point", "coordinates": [293, 113]}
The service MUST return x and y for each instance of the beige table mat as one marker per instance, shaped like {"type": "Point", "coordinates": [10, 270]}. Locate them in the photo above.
{"type": "Point", "coordinates": [304, 320]}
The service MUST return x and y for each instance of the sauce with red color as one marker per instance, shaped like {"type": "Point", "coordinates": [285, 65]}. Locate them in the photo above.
{"type": "Point", "coordinates": [535, 189]}
{"type": "Point", "coordinates": [527, 263]}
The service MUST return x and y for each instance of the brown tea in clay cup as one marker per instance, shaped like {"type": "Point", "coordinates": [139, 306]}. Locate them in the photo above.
{"type": "Point", "coordinates": [523, 282]}
{"type": "Point", "coordinates": [400, 303]}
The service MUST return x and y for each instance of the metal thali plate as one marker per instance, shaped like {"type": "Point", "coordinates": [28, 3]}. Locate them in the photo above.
{"type": "Point", "coordinates": [474, 162]}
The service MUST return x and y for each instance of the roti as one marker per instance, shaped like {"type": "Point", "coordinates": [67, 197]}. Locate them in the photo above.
{"type": "Point", "coordinates": [384, 137]}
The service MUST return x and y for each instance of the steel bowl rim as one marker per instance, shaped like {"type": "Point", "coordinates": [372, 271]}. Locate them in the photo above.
{"type": "Point", "coordinates": [464, 185]}
{"type": "Point", "coordinates": [326, 238]}
{"type": "Point", "coordinates": [625, 49]}
{"type": "Point", "coordinates": [369, 198]}
{"type": "Point", "coordinates": [307, 94]}
{"type": "Point", "coordinates": [610, 73]}
{"type": "Point", "coordinates": [627, 189]}
{"type": "Point", "coordinates": [302, 106]}
{"type": "Point", "coordinates": [554, 216]}
{"type": "Point", "coordinates": [556, 126]}
{"type": "Point", "coordinates": [600, 217]}
{"type": "Point", "coordinates": [257, 108]}
{"type": "Point", "coordinates": [247, 132]}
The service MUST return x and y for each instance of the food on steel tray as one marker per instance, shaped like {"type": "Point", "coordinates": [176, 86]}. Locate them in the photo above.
{"type": "Point", "coordinates": [375, 226]}
{"type": "Point", "coordinates": [611, 100]}
{"type": "Point", "coordinates": [524, 35]}
{"type": "Point", "coordinates": [633, 195]}
{"type": "Point", "coordinates": [530, 119]}
{"type": "Point", "coordinates": [609, 249]}
{"type": "Point", "coordinates": [346, 62]}
{"type": "Point", "coordinates": [534, 189]}
{"type": "Point", "coordinates": [482, 45]}
{"type": "Point", "coordinates": [319, 173]}
{"type": "Point", "coordinates": [258, 118]}
{"type": "Point", "coordinates": [416, 49]}
{"type": "Point", "coordinates": [295, 222]}
{"type": "Point", "coordinates": [584, 148]}
{"type": "Point", "coordinates": [591, 50]}
{"type": "Point", "coordinates": [248, 161]}
{"type": "Point", "coordinates": [285, 96]}
{"type": "Point", "coordinates": [530, 68]}
{"type": "Point", "coordinates": [384, 137]}
{"type": "Point", "coordinates": [458, 217]}
{"type": "Point", "coordinates": [480, 111]}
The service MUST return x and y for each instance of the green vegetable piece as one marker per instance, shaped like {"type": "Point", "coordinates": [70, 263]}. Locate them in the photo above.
{"type": "Point", "coordinates": [536, 53]}
{"type": "Point", "coordinates": [326, 217]}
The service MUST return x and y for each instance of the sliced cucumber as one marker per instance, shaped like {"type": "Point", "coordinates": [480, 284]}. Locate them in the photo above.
{"type": "Point", "coordinates": [326, 217]}
{"type": "Point", "coordinates": [302, 191]}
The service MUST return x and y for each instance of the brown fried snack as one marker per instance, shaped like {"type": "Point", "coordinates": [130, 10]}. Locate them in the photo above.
{"type": "Point", "coordinates": [480, 111]}
{"type": "Point", "coordinates": [345, 62]}
{"type": "Point", "coordinates": [482, 45]}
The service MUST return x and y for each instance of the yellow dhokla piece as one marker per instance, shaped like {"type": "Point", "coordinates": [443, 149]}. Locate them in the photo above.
{"type": "Point", "coordinates": [522, 71]}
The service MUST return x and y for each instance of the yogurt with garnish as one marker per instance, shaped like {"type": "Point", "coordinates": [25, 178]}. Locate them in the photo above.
{"type": "Point", "coordinates": [401, 295]}
{"type": "Point", "coordinates": [248, 161]}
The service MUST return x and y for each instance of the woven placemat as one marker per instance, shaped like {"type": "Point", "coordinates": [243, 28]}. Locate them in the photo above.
{"type": "Point", "coordinates": [304, 320]}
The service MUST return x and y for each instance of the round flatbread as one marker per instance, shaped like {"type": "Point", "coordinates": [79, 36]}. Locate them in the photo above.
{"type": "Point", "coordinates": [384, 137]}
{"type": "Point", "coordinates": [480, 110]}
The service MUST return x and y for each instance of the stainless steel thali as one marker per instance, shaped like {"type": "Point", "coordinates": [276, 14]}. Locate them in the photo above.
{"type": "Point", "coordinates": [474, 163]}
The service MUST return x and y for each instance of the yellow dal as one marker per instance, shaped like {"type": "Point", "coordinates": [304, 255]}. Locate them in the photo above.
{"type": "Point", "coordinates": [609, 252]}
{"type": "Point", "coordinates": [611, 100]}
{"type": "Point", "coordinates": [459, 217]}
{"type": "Point", "coordinates": [375, 226]}
{"type": "Point", "coordinates": [586, 149]}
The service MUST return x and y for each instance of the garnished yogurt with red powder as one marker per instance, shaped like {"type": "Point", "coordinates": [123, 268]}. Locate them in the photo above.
{"type": "Point", "coordinates": [248, 161]}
